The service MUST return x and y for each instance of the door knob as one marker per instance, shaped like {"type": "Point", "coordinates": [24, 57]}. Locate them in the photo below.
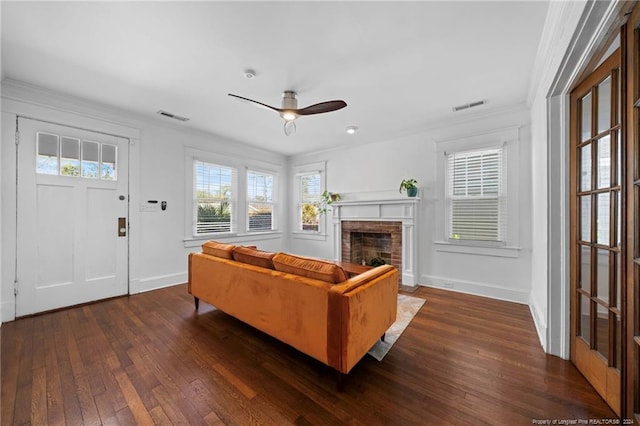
{"type": "Point", "coordinates": [122, 227]}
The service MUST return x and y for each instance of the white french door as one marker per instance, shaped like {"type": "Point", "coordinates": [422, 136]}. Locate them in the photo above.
{"type": "Point", "coordinates": [72, 217]}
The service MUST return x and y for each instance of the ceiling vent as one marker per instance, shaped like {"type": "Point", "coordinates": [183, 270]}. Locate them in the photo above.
{"type": "Point", "coordinates": [469, 105]}
{"type": "Point", "coordinates": [175, 117]}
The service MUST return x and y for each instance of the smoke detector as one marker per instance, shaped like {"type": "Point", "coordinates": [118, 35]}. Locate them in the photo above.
{"type": "Point", "coordinates": [249, 74]}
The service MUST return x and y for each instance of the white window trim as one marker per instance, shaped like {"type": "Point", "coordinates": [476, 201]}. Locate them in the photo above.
{"type": "Point", "coordinates": [508, 138]}
{"type": "Point", "coordinates": [240, 197]}
{"type": "Point", "coordinates": [298, 171]}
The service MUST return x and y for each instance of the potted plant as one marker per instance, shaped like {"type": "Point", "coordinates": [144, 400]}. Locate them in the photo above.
{"type": "Point", "coordinates": [409, 185]}
{"type": "Point", "coordinates": [327, 199]}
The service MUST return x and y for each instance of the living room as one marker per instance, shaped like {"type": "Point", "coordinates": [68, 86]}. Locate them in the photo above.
{"type": "Point", "coordinates": [395, 138]}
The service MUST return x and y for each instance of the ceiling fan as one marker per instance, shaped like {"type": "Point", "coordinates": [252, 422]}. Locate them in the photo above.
{"type": "Point", "coordinates": [289, 111]}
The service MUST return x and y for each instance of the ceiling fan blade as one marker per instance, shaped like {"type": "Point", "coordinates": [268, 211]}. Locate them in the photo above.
{"type": "Point", "coordinates": [321, 108]}
{"type": "Point", "coordinates": [255, 102]}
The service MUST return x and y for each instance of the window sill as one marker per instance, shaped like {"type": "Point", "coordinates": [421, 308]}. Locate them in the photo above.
{"type": "Point", "coordinates": [480, 250]}
{"type": "Point", "coordinates": [232, 238]}
{"type": "Point", "coordinates": [309, 236]}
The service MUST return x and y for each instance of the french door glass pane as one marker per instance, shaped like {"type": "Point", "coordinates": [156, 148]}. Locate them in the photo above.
{"type": "Point", "coordinates": [586, 117]}
{"type": "Point", "coordinates": [585, 303]}
{"type": "Point", "coordinates": [585, 218]}
{"type": "Point", "coordinates": [603, 166]}
{"type": "Point", "coordinates": [602, 331]}
{"type": "Point", "coordinates": [585, 268]}
{"type": "Point", "coordinates": [603, 219]}
{"type": "Point", "coordinates": [602, 276]}
{"type": "Point", "coordinates": [604, 105]}
{"type": "Point", "coordinates": [585, 168]}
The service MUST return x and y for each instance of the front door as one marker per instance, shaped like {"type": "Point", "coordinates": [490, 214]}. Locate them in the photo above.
{"type": "Point", "coordinates": [72, 215]}
{"type": "Point", "coordinates": [596, 207]}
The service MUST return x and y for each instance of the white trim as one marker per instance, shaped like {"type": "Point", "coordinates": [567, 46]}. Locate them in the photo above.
{"type": "Point", "coordinates": [492, 291]}
{"type": "Point", "coordinates": [481, 250]}
{"type": "Point", "coordinates": [159, 281]}
{"type": "Point", "coordinates": [595, 20]}
{"type": "Point", "coordinates": [233, 238]}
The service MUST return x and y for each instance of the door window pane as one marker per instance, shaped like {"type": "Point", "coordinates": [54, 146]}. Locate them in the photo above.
{"type": "Point", "coordinates": [603, 166]}
{"type": "Point", "coordinates": [585, 268]}
{"type": "Point", "coordinates": [602, 277]}
{"type": "Point", "coordinates": [585, 218]}
{"type": "Point", "coordinates": [604, 105]}
{"type": "Point", "coordinates": [90, 159]}
{"type": "Point", "coordinates": [585, 168]}
{"type": "Point", "coordinates": [70, 157]}
{"type": "Point", "coordinates": [603, 218]}
{"type": "Point", "coordinates": [47, 162]}
{"type": "Point", "coordinates": [586, 117]}
{"type": "Point", "coordinates": [602, 331]}
{"type": "Point", "coordinates": [109, 155]}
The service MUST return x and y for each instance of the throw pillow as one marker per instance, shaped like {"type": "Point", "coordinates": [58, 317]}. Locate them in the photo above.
{"type": "Point", "coordinates": [310, 268]}
{"type": "Point", "coordinates": [214, 248]}
{"type": "Point", "coordinates": [254, 257]}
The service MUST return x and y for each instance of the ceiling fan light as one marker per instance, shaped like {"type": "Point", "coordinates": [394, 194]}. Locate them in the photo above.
{"type": "Point", "coordinates": [288, 115]}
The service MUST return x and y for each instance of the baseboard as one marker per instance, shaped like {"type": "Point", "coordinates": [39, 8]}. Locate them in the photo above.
{"type": "Point", "coordinates": [8, 311]}
{"type": "Point", "coordinates": [540, 321]}
{"type": "Point", "coordinates": [154, 283]}
{"type": "Point", "coordinates": [476, 288]}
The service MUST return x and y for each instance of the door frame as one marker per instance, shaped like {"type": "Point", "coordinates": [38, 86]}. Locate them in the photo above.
{"type": "Point", "coordinates": [27, 101]}
{"type": "Point", "coordinates": [597, 23]}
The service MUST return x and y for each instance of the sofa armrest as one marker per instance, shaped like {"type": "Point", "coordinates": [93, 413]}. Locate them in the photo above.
{"type": "Point", "coordinates": [360, 310]}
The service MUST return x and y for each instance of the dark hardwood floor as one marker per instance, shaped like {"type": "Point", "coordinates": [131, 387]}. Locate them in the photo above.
{"type": "Point", "coordinates": [150, 358]}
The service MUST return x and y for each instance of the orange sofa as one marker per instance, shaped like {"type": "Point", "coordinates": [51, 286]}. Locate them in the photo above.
{"type": "Point", "coordinates": [307, 303]}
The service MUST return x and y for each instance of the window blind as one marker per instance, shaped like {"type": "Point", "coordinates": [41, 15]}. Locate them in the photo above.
{"type": "Point", "coordinates": [260, 201]}
{"type": "Point", "coordinates": [476, 199]}
{"type": "Point", "coordinates": [213, 194]}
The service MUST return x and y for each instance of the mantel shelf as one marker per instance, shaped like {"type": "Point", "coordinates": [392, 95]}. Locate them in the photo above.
{"type": "Point", "coordinates": [408, 200]}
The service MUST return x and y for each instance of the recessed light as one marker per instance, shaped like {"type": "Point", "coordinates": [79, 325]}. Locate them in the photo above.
{"type": "Point", "coordinates": [351, 130]}
{"type": "Point", "coordinates": [249, 74]}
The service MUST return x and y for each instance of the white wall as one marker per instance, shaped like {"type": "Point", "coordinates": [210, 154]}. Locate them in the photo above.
{"type": "Point", "coordinates": [379, 168]}
{"type": "Point", "coordinates": [158, 252]}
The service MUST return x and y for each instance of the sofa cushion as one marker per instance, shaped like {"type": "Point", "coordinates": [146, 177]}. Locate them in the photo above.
{"type": "Point", "coordinates": [255, 257]}
{"type": "Point", "coordinates": [214, 248]}
{"type": "Point", "coordinates": [310, 268]}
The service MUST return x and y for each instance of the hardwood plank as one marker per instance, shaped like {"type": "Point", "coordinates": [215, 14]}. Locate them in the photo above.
{"type": "Point", "coordinates": [150, 358]}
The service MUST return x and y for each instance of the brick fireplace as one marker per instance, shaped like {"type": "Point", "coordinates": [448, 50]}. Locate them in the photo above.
{"type": "Point", "coordinates": [386, 228]}
{"type": "Point", "coordinates": [366, 240]}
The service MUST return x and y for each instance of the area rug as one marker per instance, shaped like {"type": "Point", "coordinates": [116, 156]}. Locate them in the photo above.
{"type": "Point", "coordinates": [408, 307]}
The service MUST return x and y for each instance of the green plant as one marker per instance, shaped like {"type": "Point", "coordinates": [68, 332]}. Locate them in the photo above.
{"type": "Point", "coordinates": [407, 184]}
{"type": "Point", "coordinates": [328, 198]}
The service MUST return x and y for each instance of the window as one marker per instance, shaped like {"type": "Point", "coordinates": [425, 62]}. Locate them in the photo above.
{"type": "Point", "coordinates": [475, 195]}
{"type": "Point", "coordinates": [66, 156]}
{"type": "Point", "coordinates": [260, 201]}
{"type": "Point", "coordinates": [310, 187]}
{"type": "Point", "coordinates": [214, 187]}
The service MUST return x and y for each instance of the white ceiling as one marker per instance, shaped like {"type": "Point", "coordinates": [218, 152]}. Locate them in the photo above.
{"type": "Point", "coordinates": [400, 66]}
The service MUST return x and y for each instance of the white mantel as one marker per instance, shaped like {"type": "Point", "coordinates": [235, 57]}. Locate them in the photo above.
{"type": "Point", "coordinates": [403, 210]}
